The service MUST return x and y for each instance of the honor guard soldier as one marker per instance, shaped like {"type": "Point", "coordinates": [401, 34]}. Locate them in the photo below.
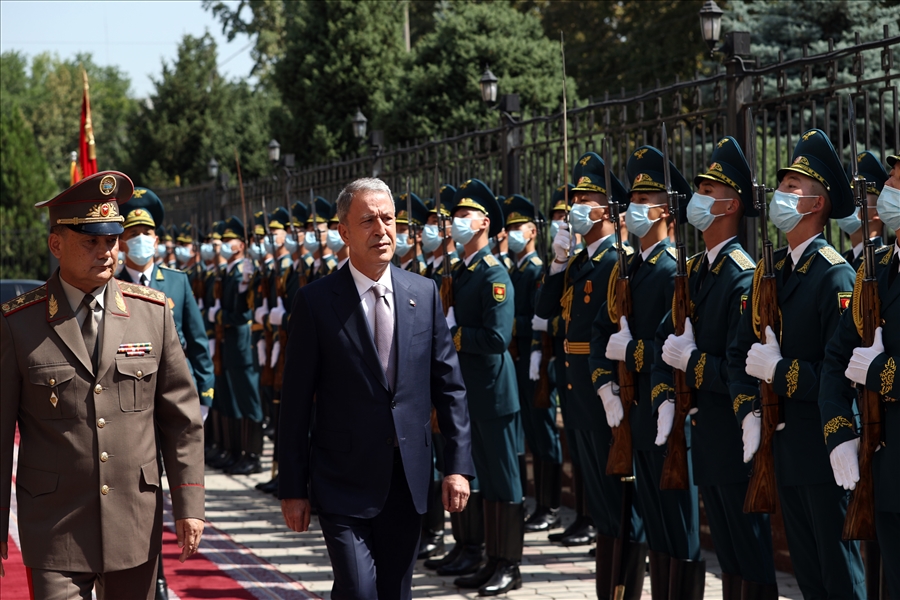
{"type": "Point", "coordinates": [323, 259]}
{"type": "Point", "coordinates": [238, 386]}
{"type": "Point", "coordinates": [871, 168]}
{"type": "Point", "coordinates": [481, 322]}
{"type": "Point", "coordinates": [302, 260]}
{"type": "Point", "coordinates": [814, 286]}
{"type": "Point", "coordinates": [872, 368]}
{"type": "Point", "coordinates": [720, 280]}
{"type": "Point", "coordinates": [670, 518]}
{"type": "Point", "coordinates": [335, 242]}
{"type": "Point", "coordinates": [169, 259]}
{"type": "Point", "coordinates": [91, 368]}
{"type": "Point", "coordinates": [433, 237]}
{"type": "Point", "coordinates": [407, 251]}
{"type": "Point", "coordinates": [190, 260]}
{"type": "Point", "coordinates": [538, 422]}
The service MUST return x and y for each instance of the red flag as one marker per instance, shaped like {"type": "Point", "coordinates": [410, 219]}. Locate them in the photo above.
{"type": "Point", "coordinates": [87, 151]}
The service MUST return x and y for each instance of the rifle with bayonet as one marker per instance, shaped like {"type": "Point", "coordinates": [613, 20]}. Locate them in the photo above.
{"type": "Point", "coordinates": [859, 522]}
{"type": "Point", "coordinates": [620, 458]}
{"type": "Point", "coordinates": [446, 275]}
{"type": "Point", "coordinates": [412, 230]}
{"type": "Point", "coordinates": [565, 126]}
{"type": "Point", "coordinates": [762, 494]}
{"type": "Point", "coordinates": [198, 286]}
{"type": "Point", "coordinates": [675, 473]}
{"type": "Point", "coordinates": [220, 327]}
{"type": "Point", "coordinates": [267, 376]}
{"type": "Point", "coordinates": [542, 385]}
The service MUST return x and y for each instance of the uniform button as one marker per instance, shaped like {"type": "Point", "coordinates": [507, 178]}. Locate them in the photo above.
{"type": "Point", "coordinates": [98, 388]}
{"type": "Point", "coordinates": [694, 422]}
{"type": "Point", "coordinates": [139, 374]}
{"type": "Point", "coordinates": [569, 386]}
{"type": "Point", "coordinates": [101, 422]}
{"type": "Point", "coordinates": [104, 490]}
{"type": "Point", "coordinates": [52, 382]}
{"type": "Point", "coordinates": [389, 441]}
{"type": "Point", "coordinates": [394, 404]}
{"type": "Point", "coordinates": [104, 457]}
{"type": "Point", "coordinates": [567, 363]}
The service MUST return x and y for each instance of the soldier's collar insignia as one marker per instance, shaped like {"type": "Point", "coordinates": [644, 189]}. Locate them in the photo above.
{"type": "Point", "coordinates": [120, 302]}
{"type": "Point", "coordinates": [52, 308]}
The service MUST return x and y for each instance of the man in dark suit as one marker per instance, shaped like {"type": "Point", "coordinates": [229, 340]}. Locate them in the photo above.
{"type": "Point", "coordinates": [371, 347]}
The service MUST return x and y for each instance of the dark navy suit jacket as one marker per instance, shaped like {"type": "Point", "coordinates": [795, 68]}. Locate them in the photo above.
{"type": "Point", "coordinates": [345, 465]}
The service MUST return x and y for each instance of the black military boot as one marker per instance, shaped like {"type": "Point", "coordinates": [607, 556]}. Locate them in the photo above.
{"type": "Point", "coordinates": [456, 529]}
{"type": "Point", "coordinates": [547, 495]}
{"type": "Point", "coordinates": [687, 579]}
{"type": "Point", "coordinates": [634, 567]}
{"type": "Point", "coordinates": [523, 474]}
{"type": "Point", "coordinates": [731, 586]}
{"type": "Point", "coordinates": [231, 446]}
{"type": "Point", "coordinates": [484, 574]}
{"type": "Point", "coordinates": [659, 575]}
{"type": "Point", "coordinates": [510, 539]}
{"type": "Point", "coordinates": [162, 588]}
{"type": "Point", "coordinates": [750, 590]}
{"type": "Point", "coordinates": [253, 446]}
{"type": "Point", "coordinates": [431, 542]}
{"type": "Point", "coordinates": [471, 555]}
{"type": "Point", "coordinates": [604, 560]}
{"type": "Point", "coordinates": [269, 487]}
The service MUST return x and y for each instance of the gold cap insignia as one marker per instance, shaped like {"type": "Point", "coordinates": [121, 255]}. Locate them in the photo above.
{"type": "Point", "coordinates": [108, 185]}
{"type": "Point", "coordinates": [585, 160]}
{"type": "Point", "coordinates": [139, 193]}
{"type": "Point", "coordinates": [722, 142]}
{"type": "Point", "coordinates": [809, 134]}
{"type": "Point", "coordinates": [639, 153]}
{"type": "Point", "coordinates": [584, 179]}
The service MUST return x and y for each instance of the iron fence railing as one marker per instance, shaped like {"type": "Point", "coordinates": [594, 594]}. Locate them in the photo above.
{"type": "Point", "coordinates": [526, 155]}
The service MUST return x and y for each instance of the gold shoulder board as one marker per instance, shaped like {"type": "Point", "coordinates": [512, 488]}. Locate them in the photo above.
{"type": "Point", "coordinates": [672, 252]}
{"type": "Point", "coordinates": [145, 293]}
{"type": "Point", "coordinates": [628, 250]}
{"type": "Point", "coordinates": [490, 261]}
{"type": "Point", "coordinates": [26, 299]}
{"type": "Point", "coordinates": [741, 259]}
{"type": "Point", "coordinates": [831, 255]}
{"type": "Point", "coordinates": [536, 261]}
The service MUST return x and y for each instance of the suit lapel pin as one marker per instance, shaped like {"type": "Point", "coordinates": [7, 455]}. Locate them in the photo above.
{"type": "Point", "coordinates": [412, 302]}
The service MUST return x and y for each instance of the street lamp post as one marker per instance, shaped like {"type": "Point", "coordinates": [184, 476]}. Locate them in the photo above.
{"type": "Point", "coordinates": [510, 134]}
{"type": "Point", "coordinates": [375, 141]}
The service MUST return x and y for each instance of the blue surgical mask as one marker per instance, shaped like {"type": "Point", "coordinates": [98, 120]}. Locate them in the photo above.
{"type": "Point", "coordinates": [492, 243]}
{"type": "Point", "coordinates": [554, 229]}
{"type": "Point", "coordinates": [459, 248]}
{"type": "Point", "coordinates": [850, 224]}
{"type": "Point", "coordinates": [271, 244]}
{"type": "Point", "coordinates": [140, 249]}
{"type": "Point", "coordinates": [889, 207]}
{"type": "Point", "coordinates": [580, 218]}
{"type": "Point", "coordinates": [226, 251]}
{"type": "Point", "coordinates": [334, 241]}
{"type": "Point", "coordinates": [462, 231]}
{"type": "Point", "coordinates": [160, 250]}
{"type": "Point", "coordinates": [256, 251]}
{"type": "Point", "coordinates": [431, 240]}
{"type": "Point", "coordinates": [311, 241]}
{"type": "Point", "coordinates": [637, 220]}
{"type": "Point", "coordinates": [517, 241]}
{"type": "Point", "coordinates": [403, 245]}
{"type": "Point", "coordinates": [207, 252]}
{"type": "Point", "coordinates": [699, 210]}
{"type": "Point", "coordinates": [182, 254]}
{"type": "Point", "coordinates": [290, 242]}
{"type": "Point", "coordinates": [783, 210]}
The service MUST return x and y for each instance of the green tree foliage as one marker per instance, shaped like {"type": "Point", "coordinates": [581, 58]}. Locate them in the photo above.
{"type": "Point", "coordinates": [194, 115]}
{"type": "Point", "coordinates": [263, 21]}
{"type": "Point", "coordinates": [438, 90]}
{"type": "Point", "coordinates": [340, 55]}
{"type": "Point", "coordinates": [48, 92]}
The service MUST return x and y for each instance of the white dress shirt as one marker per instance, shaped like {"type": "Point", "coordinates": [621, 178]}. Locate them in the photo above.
{"type": "Point", "coordinates": [367, 295]}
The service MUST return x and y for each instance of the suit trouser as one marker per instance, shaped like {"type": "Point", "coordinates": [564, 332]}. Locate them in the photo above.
{"type": "Point", "coordinates": [824, 564]}
{"type": "Point", "coordinates": [539, 423]}
{"type": "Point", "coordinates": [743, 541]}
{"type": "Point", "coordinates": [887, 527]}
{"type": "Point", "coordinates": [136, 583]}
{"type": "Point", "coordinates": [671, 517]}
{"type": "Point", "coordinates": [604, 492]}
{"type": "Point", "coordinates": [495, 457]}
{"type": "Point", "coordinates": [374, 558]}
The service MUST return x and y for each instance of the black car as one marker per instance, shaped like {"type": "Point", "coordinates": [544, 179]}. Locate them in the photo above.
{"type": "Point", "coordinates": [10, 288]}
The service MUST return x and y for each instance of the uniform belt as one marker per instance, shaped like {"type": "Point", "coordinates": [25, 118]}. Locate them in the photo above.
{"type": "Point", "coordinates": [256, 327]}
{"type": "Point", "coordinates": [576, 347]}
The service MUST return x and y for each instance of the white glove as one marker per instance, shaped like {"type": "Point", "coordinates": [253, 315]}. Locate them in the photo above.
{"type": "Point", "coordinates": [763, 358]}
{"type": "Point", "coordinates": [259, 315]}
{"type": "Point", "coordinates": [677, 349]}
{"type": "Point", "coordinates": [538, 324]}
{"type": "Point", "coordinates": [261, 352]}
{"type": "Point", "coordinates": [612, 404]}
{"type": "Point", "coordinates": [861, 360]}
{"type": "Point", "coordinates": [276, 315]}
{"type": "Point", "coordinates": [534, 366]}
{"type": "Point", "coordinates": [618, 342]}
{"type": "Point", "coordinates": [276, 350]}
{"type": "Point", "coordinates": [751, 427]}
{"type": "Point", "coordinates": [664, 422]}
{"type": "Point", "coordinates": [845, 464]}
{"type": "Point", "coordinates": [247, 272]}
{"type": "Point", "coordinates": [215, 308]}
{"type": "Point", "coordinates": [204, 412]}
{"type": "Point", "coordinates": [200, 304]}
{"type": "Point", "coordinates": [561, 243]}
{"type": "Point", "coordinates": [451, 318]}
{"type": "Point", "coordinates": [212, 347]}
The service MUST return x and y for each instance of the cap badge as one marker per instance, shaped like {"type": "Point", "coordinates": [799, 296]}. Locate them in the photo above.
{"type": "Point", "coordinates": [99, 211]}
{"type": "Point", "coordinates": [809, 134]}
{"type": "Point", "coordinates": [139, 193]}
{"type": "Point", "coordinates": [715, 167]}
{"type": "Point", "coordinates": [860, 156]}
{"type": "Point", "coordinates": [722, 142]}
{"type": "Point", "coordinates": [585, 160]}
{"type": "Point", "coordinates": [465, 185]}
{"type": "Point", "coordinates": [108, 185]}
{"type": "Point", "coordinates": [640, 152]}
{"type": "Point", "coordinates": [584, 179]}
{"type": "Point", "coordinates": [801, 160]}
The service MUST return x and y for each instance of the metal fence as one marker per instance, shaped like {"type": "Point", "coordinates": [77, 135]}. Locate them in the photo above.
{"type": "Point", "coordinates": [525, 155]}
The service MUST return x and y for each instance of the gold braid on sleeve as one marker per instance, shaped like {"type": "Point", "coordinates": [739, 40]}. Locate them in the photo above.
{"type": "Point", "coordinates": [834, 424]}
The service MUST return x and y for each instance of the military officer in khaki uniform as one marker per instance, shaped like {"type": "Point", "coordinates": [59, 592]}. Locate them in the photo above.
{"type": "Point", "coordinates": [88, 365]}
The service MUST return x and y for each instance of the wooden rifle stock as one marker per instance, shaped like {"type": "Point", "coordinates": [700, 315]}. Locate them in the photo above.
{"type": "Point", "coordinates": [859, 523]}
{"type": "Point", "coordinates": [762, 494]}
{"type": "Point", "coordinates": [542, 385]}
{"type": "Point", "coordinates": [267, 376]}
{"type": "Point", "coordinates": [620, 459]}
{"type": "Point", "coordinates": [675, 467]}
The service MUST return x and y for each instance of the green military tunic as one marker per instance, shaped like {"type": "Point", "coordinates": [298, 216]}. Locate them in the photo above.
{"type": "Point", "coordinates": [240, 380]}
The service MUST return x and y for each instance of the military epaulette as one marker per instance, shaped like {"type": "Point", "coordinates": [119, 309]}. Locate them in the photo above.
{"type": "Point", "coordinates": [454, 260]}
{"type": "Point", "coordinates": [145, 293]}
{"type": "Point", "coordinates": [831, 255]}
{"type": "Point", "coordinates": [309, 260]}
{"type": "Point", "coordinates": [672, 252]}
{"type": "Point", "coordinates": [536, 261]}
{"type": "Point", "coordinates": [490, 261]}
{"type": "Point", "coordinates": [26, 299]}
{"type": "Point", "coordinates": [628, 250]}
{"type": "Point", "coordinates": [741, 259]}
{"type": "Point", "coordinates": [167, 268]}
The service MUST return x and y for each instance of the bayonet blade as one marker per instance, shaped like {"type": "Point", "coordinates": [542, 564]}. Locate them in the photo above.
{"type": "Point", "coordinates": [665, 152]}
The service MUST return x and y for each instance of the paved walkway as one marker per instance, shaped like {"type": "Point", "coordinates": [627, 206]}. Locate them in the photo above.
{"type": "Point", "coordinates": [253, 519]}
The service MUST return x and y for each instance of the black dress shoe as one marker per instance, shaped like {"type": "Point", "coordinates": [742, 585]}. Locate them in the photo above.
{"type": "Point", "coordinates": [584, 536]}
{"type": "Point", "coordinates": [543, 519]}
{"type": "Point", "coordinates": [247, 466]}
{"type": "Point", "coordinates": [506, 577]}
{"type": "Point", "coordinates": [479, 577]}
{"type": "Point", "coordinates": [269, 487]}
{"type": "Point", "coordinates": [162, 590]}
{"type": "Point", "coordinates": [432, 544]}
{"type": "Point", "coordinates": [437, 563]}
{"type": "Point", "coordinates": [575, 525]}
{"type": "Point", "coordinates": [216, 460]}
{"type": "Point", "coordinates": [593, 552]}
{"type": "Point", "coordinates": [468, 561]}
